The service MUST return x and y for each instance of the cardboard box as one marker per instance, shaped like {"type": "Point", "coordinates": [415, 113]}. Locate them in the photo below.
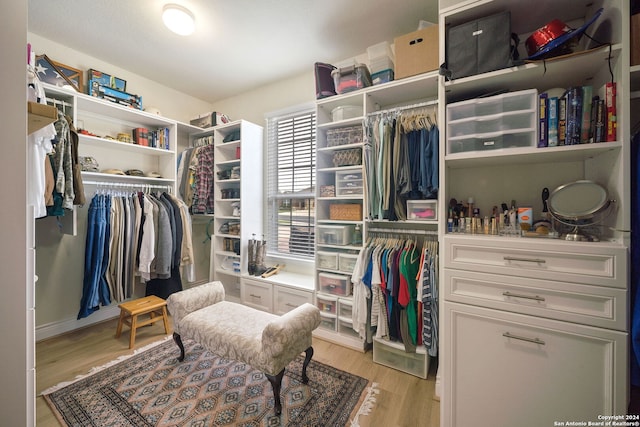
{"type": "Point", "coordinates": [417, 52]}
{"type": "Point", "coordinates": [635, 39]}
{"type": "Point", "coordinates": [40, 115]}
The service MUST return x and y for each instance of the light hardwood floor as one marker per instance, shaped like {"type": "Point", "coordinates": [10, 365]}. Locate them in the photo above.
{"type": "Point", "coordinates": [404, 400]}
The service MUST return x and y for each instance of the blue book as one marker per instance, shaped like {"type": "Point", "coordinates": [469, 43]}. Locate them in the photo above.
{"type": "Point", "coordinates": [552, 112]}
{"type": "Point", "coordinates": [585, 130]}
{"type": "Point", "coordinates": [574, 115]}
{"type": "Point", "coordinates": [543, 132]}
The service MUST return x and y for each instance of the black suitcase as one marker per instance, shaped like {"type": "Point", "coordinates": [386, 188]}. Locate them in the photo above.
{"type": "Point", "coordinates": [480, 46]}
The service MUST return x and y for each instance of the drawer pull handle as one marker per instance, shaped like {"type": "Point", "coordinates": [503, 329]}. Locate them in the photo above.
{"type": "Point", "coordinates": [511, 294]}
{"type": "Point", "coordinates": [255, 296]}
{"type": "Point", "coordinates": [518, 337]}
{"type": "Point", "coordinates": [536, 260]}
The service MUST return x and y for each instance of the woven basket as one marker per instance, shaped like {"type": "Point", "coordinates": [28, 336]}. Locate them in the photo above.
{"type": "Point", "coordinates": [349, 157]}
{"type": "Point", "coordinates": [345, 211]}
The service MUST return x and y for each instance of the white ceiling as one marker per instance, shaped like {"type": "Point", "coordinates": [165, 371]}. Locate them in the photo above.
{"type": "Point", "coordinates": [239, 45]}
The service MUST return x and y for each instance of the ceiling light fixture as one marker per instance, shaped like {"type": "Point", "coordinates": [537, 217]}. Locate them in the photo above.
{"type": "Point", "coordinates": [178, 19]}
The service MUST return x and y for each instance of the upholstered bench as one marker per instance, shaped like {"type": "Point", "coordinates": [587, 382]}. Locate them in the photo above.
{"type": "Point", "coordinates": [265, 341]}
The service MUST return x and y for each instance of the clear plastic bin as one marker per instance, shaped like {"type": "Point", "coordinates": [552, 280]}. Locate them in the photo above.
{"type": "Point", "coordinates": [346, 112]}
{"type": "Point", "coordinates": [345, 326]}
{"type": "Point", "coordinates": [335, 234]}
{"type": "Point", "coordinates": [392, 354]}
{"type": "Point", "coordinates": [349, 183]}
{"type": "Point", "coordinates": [424, 210]}
{"type": "Point", "coordinates": [328, 321]}
{"type": "Point", "coordinates": [327, 304]}
{"type": "Point", "coordinates": [348, 79]}
{"type": "Point", "coordinates": [345, 308]}
{"type": "Point", "coordinates": [346, 262]}
{"type": "Point", "coordinates": [495, 123]}
{"type": "Point", "coordinates": [485, 142]}
{"type": "Point", "coordinates": [507, 102]}
{"type": "Point", "coordinates": [327, 260]}
{"type": "Point", "coordinates": [334, 284]}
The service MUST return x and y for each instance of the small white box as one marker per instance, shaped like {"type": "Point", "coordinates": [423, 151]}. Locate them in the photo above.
{"type": "Point", "coordinates": [334, 284]}
{"type": "Point", "coordinates": [327, 260]}
{"type": "Point", "coordinates": [422, 210]}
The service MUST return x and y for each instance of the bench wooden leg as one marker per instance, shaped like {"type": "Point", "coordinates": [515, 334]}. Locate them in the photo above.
{"type": "Point", "coordinates": [123, 314]}
{"type": "Point", "coordinates": [178, 340]}
{"type": "Point", "coordinates": [307, 359]}
{"type": "Point", "coordinates": [276, 384]}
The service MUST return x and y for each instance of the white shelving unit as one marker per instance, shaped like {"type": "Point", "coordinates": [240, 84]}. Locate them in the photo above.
{"type": "Point", "coordinates": [418, 89]}
{"type": "Point", "coordinates": [236, 200]}
{"type": "Point", "coordinates": [541, 318]}
{"type": "Point", "coordinates": [105, 119]}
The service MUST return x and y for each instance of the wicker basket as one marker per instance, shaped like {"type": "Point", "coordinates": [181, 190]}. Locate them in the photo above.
{"type": "Point", "coordinates": [349, 157]}
{"type": "Point", "coordinates": [345, 211]}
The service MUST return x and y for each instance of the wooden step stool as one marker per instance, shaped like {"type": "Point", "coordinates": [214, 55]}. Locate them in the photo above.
{"type": "Point", "coordinates": [129, 311]}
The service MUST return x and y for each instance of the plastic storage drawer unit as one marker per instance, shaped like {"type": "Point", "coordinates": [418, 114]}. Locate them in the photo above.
{"type": "Point", "coordinates": [327, 304]}
{"type": "Point", "coordinates": [349, 183]}
{"type": "Point", "coordinates": [346, 262]}
{"type": "Point", "coordinates": [345, 308]}
{"type": "Point", "coordinates": [335, 234]}
{"type": "Point", "coordinates": [328, 260]}
{"type": "Point", "coordinates": [422, 210]}
{"type": "Point", "coordinates": [328, 321]}
{"type": "Point", "coordinates": [345, 326]}
{"type": "Point", "coordinates": [334, 284]}
{"type": "Point", "coordinates": [524, 100]}
{"type": "Point", "coordinates": [392, 354]}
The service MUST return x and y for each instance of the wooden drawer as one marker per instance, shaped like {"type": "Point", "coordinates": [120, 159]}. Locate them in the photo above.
{"type": "Point", "coordinates": [586, 304]}
{"type": "Point", "coordinates": [257, 295]}
{"type": "Point", "coordinates": [286, 299]}
{"type": "Point", "coordinates": [602, 264]}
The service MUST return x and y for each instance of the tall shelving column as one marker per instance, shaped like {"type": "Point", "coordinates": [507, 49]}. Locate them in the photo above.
{"type": "Point", "coordinates": [238, 165]}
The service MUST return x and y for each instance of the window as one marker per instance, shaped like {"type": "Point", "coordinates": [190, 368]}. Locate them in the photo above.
{"type": "Point", "coordinates": [291, 154]}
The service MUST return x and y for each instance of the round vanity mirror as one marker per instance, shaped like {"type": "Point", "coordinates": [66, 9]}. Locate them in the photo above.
{"type": "Point", "coordinates": [579, 204]}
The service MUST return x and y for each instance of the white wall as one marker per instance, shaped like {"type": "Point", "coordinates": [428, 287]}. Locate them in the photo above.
{"type": "Point", "coordinates": [16, 406]}
{"type": "Point", "coordinates": [171, 103]}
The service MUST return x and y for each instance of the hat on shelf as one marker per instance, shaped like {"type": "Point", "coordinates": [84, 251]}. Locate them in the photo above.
{"type": "Point", "coordinates": [153, 175]}
{"type": "Point", "coordinates": [134, 172]}
{"type": "Point", "coordinates": [556, 38]}
{"type": "Point", "coordinates": [113, 171]}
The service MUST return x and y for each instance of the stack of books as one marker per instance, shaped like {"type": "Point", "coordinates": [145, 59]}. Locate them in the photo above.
{"type": "Point", "coordinates": [578, 116]}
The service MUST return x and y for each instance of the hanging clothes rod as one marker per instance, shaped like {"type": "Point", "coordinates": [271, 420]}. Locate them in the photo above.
{"type": "Point", "coordinates": [432, 102]}
{"type": "Point", "coordinates": [402, 231]}
{"type": "Point", "coordinates": [128, 185]}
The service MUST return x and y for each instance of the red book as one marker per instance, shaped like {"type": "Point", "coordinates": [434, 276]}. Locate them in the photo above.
{"type": "Point", "coordinates": [610, 103]}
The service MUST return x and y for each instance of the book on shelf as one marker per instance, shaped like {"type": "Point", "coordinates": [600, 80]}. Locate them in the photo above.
{"type": "Point", "coordinates": [594, 118]}
{"type": "Point", "coordinates": [543, 133]}
{"type": "Point", "coordinates": [585, 128]}
{"type": "Point", "coordinates": [552, 127]}
{"type": "Point", "coordinates": [562, 120]}
{"type": "Point", "coordinates": [574, 115]}
{"type": "Point", "coordinates": [601, 120]}
{"type": "Point", "coordinates": [610, 103]}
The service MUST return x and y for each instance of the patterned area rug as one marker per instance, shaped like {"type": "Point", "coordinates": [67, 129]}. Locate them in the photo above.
{"type": "Point", "coordinates": [151, 388]}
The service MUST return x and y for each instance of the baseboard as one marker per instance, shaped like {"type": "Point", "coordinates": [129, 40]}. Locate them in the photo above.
{"type": "Point", "coordinates": [58, 328]}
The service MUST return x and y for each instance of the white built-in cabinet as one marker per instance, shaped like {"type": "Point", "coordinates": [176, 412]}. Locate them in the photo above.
{"type": "Point", "coordinates": [238, 148]}
{"type": "Point", "coordinates": [542, 322]}
{"type": "Point", "coordinates": [334, 300]}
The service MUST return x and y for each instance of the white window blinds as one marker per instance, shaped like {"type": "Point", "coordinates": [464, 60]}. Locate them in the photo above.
{"type": "Point", "coordinates": [291, 184]}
